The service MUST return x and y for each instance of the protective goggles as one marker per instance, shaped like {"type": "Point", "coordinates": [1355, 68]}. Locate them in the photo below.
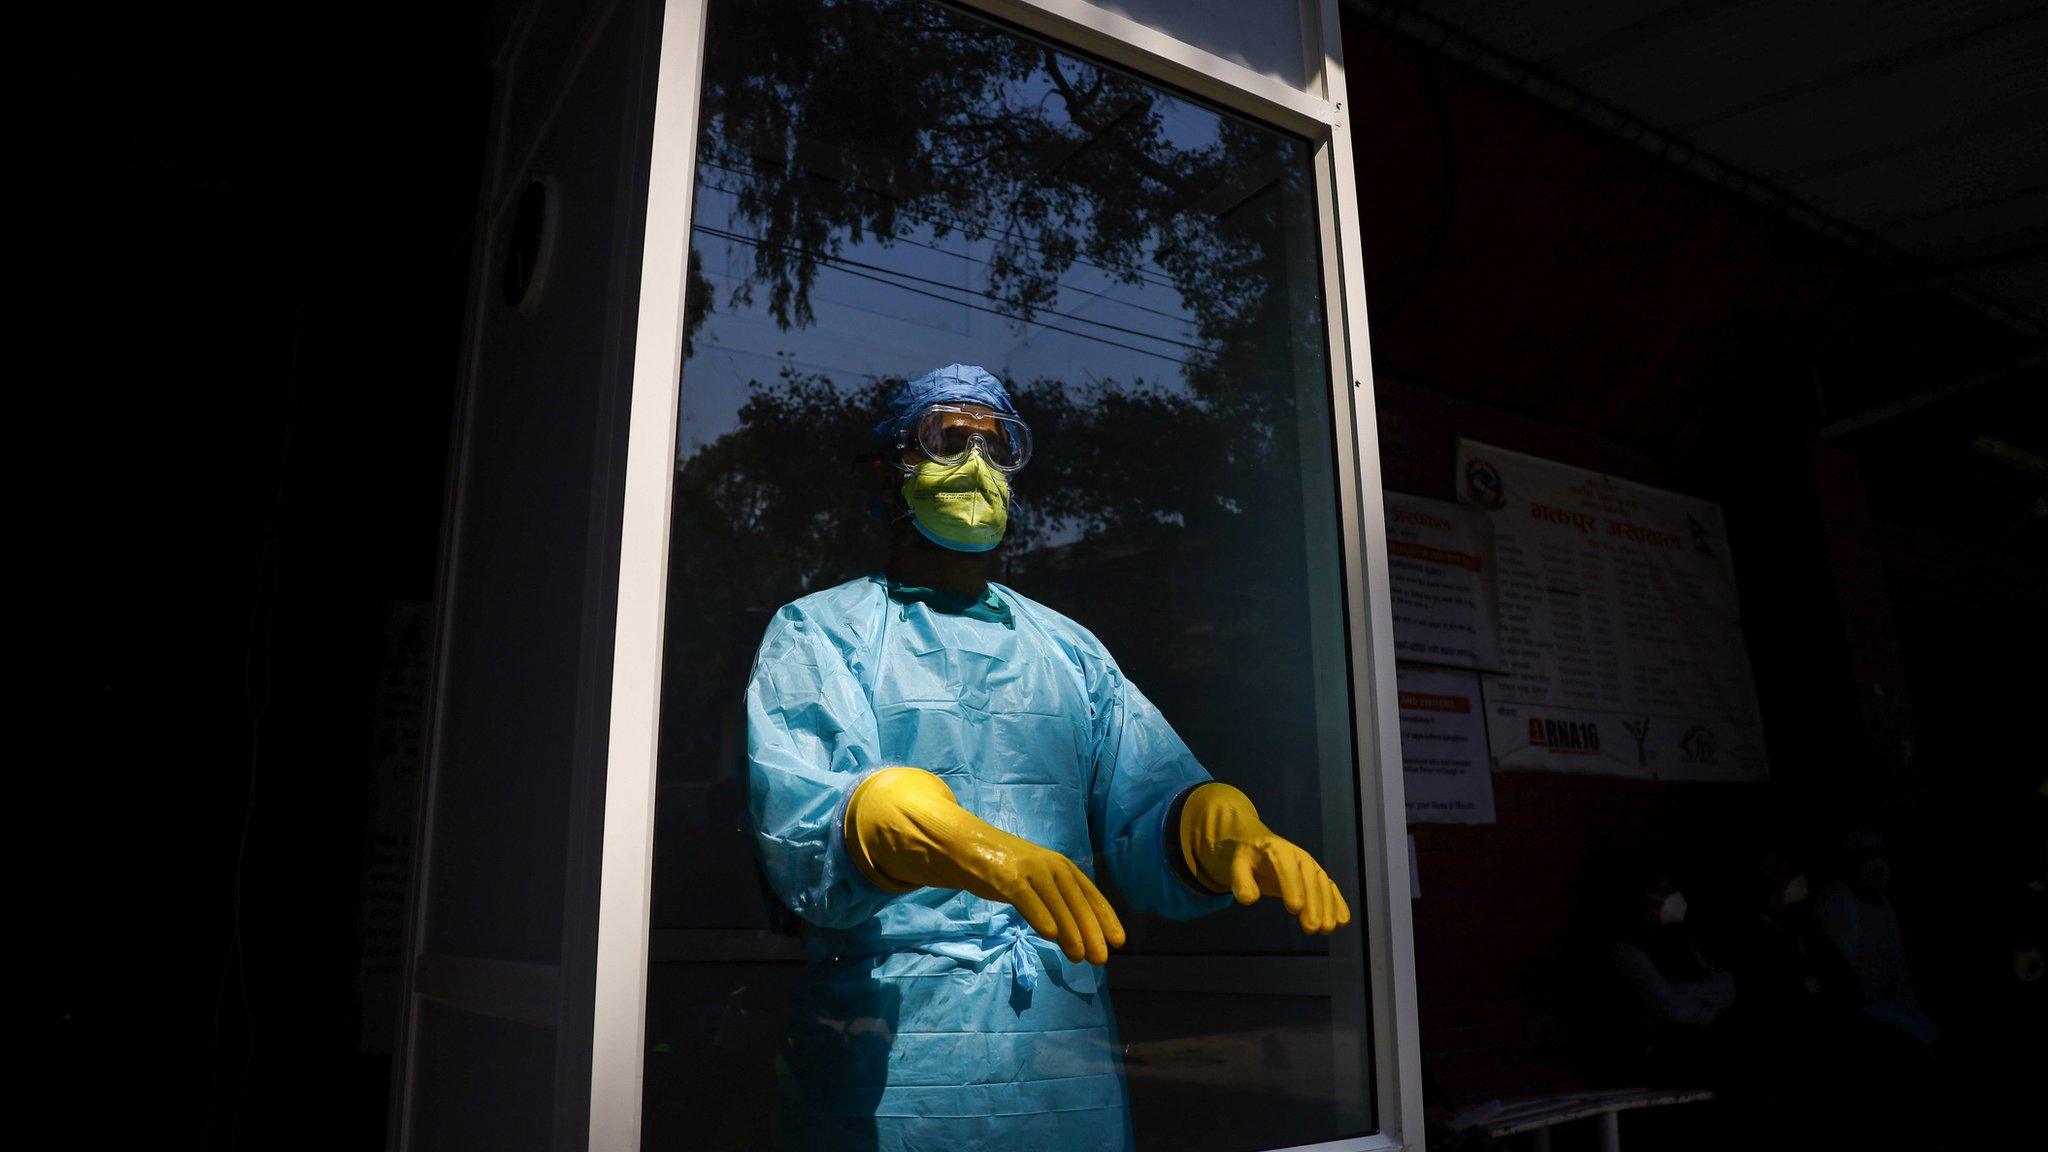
{"type": "Point", "coordinates": [946, 433]}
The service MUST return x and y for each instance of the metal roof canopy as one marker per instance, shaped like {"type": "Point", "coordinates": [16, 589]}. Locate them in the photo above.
{"type": "Point", "coordinates": [1917, 133]}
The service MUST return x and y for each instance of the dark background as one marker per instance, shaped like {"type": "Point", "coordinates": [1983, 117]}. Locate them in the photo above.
{"type": "Point", "coordinates": [264, 216]}
{"type": "Point", "coordinates": [1539, 284]}
{"type": "Point", "coordinates": [260, 225]}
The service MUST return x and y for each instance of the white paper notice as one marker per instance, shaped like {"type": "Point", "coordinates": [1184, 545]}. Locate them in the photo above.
{"type": "Point", "coordinates": [1443, 747]}
{"type": "Point", "coordinates": [1621, 636]}
{"type": "Point", "coordinates": [1441, 571]}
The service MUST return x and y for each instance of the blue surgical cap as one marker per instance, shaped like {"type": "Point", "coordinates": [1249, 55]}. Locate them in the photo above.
{"type": "Point", "coordinates": [956, 382]}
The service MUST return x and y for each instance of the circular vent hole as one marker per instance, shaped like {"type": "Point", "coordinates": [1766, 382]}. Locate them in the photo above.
{"type": "Point", "coordinates": [526, 257]}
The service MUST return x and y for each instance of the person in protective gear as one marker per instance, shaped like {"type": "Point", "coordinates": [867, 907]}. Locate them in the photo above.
{"type": "Point", "coordinates": [941, 769]}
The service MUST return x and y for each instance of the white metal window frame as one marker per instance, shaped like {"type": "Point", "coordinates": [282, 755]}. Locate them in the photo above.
{"type": "Point", "coordinates": [1321, 115]}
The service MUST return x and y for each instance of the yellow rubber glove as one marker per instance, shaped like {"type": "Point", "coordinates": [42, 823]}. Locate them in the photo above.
{"type": "Point", "coordinates": [906, 831]}
{"type": "Point", "coordinates": [1230, 849]}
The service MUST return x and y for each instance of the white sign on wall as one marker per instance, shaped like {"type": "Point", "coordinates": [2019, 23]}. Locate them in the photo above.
{"type": "Point", "coordinates": [1443, 746]}
{"type": "Point", "coordinates": [1441, 567]}
{"type": "Point", "coordinates": [1620, 631]}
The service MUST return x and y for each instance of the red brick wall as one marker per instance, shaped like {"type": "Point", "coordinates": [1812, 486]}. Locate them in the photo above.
{"type": "Point", "coordinates": [1543, 287]}
{"type": "Point", "coordinates": [1499, 947]}
{"type": "Point", "coordinates": [1497, 931]}
{"type": "Point", "coordinates": [1540, 285]}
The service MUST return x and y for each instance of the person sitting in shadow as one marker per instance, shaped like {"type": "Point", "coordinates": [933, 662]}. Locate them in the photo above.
{"type": "Point", "coordinates": [1667, 999]}
{"type": "Point", "coordinates": [1787, 1049]}
{"type": "Point", "coordinates": [1862, 928]}
{"type": "Point", "coordinates": [1888, 1072]}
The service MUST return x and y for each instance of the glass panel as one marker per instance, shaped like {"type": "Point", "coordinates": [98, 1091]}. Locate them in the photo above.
{"type": "Point", "coordinates": [1263, 35]}
{"type": "Point", "coordinates": [885, 187]}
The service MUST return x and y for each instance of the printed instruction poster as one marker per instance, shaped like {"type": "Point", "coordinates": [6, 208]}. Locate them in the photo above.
{"type": "Point", "coordinates": [1620, 631]}
{"type": "Point", "coordinates": [1441, 574]}
{"type": "Point", "coordinates": [1444, 765]}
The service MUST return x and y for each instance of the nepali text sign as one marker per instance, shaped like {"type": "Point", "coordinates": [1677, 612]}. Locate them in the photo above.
{"type": "Point", "coordinates": [1443, 747]}
{"type": "Point", "coordinates": [1441, 574]}
{"type": "Point", "coordinates": [1621, 636]}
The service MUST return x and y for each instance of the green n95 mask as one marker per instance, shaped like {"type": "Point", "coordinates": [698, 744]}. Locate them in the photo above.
{"type": "Point", "coordinates": [963, 506]}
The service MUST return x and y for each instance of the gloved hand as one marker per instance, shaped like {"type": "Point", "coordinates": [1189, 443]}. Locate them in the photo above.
{"type": "Point", "coordinates": [906, 831]}
{"type": "Point", "coordinates": [1230, 849]}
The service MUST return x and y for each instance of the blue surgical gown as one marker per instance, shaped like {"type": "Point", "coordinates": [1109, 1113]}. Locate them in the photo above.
{"type": "Point", "coordinates": [934, 1019]}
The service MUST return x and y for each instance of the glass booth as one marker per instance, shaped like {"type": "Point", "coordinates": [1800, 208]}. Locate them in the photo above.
{"type": "Point", "coordinates": [888, 186]}
{"type": "Point", "coordinates": [1138, 216]}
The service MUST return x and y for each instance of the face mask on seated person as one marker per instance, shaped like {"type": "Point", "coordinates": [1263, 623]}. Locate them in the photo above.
{"type": "Point", "coordinates": [1795, 891]}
